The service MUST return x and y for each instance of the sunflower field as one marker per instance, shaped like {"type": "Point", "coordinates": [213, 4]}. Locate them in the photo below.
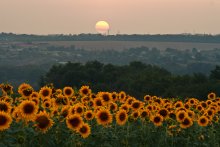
{"type": "Point", "coordinates": [80, 117]}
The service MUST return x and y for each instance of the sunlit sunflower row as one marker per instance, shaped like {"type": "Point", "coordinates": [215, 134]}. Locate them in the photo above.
{"type": "Point", "coordinates": [78, 107]}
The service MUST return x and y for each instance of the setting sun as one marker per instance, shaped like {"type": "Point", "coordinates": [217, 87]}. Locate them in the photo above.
{"type": "Point", "coordinates": [102, 27]}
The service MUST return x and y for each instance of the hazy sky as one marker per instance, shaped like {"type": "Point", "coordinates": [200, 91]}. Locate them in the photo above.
{"type": "Point", "coordinates": [124, 16]}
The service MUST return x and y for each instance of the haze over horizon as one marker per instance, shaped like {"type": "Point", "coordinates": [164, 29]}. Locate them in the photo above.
{"type": "Point", "coordinates": [130, 17]}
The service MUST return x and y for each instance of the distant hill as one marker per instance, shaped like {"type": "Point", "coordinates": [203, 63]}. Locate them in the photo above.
{"type": "Point", "coordinates": [201, 38]}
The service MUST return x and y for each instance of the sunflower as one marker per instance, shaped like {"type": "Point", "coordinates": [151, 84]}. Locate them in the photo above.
{"type": "Point", "coordinates": [203, 104]}
{"type": "Point", "coordinates": [90, 104]}
{"type": "Point", "coordinates": [113, 106]}
{"type": "Point", "coordinates": [147, 98]}
{"type": "Point", "coordinates": [89, 115]}
{"type": "Point", "coordinates": [199, 107]}
{"type": "Point", "coordinates": [103, 117]}
{"type": "Point", "coordinates": [180, 115]}
{"type": "Point", "coordinates": [74, 122]}
{"type": "Point", "coordinates": [85, 90]}
{"type": "Point", "coordinates": [114, 96]}
{"type": "Point", "coordinates": [178, 104]}
{"type": "Point", "coordinates": [203, 121]}
{"type": "Point", "coordinates": [84, 130]}
{"type": "Point", "coordinates": [16, 114]}
{"type": "Point", "coordinates": [157, 120]}
{"type": "Point", "coordinates": [79, 109]}
{"type": "Point", "coordinates": [164, 112]}
{"type": "Point", "coordinates": [26, 93]}
{"type": "Point", "coordinates": [186, 123]}
{"type": "Point", "coordinates": [23, 86]}
{"type": "Point", "coordinates": [45, 92]}
{"type": "Point", "coordinates": [65, 111]}
{"type": "Point", "coordinates": [122, 96]}
{"type": "Point", "coordinates": [5, 106]}
{"type": "Point", "coordinates": [144, 114]}
{"type": "Point", "coordinates": [129, 101]}
{"type": "Point", "coordinates": [47, 104]}
{"type": "Point", "coordinates": [35, 95]}
{"type": "Point", "coordinates": [210, 112]}
{"type": "Point", "coordinates": [136, 105]}
{"type": "Point", "coordinates": [28, 109]}
{"type": "Point", "coordinates": [135, 115]}
{"type": "Point", "coordinates": [106, 97]}
{"type": "Point", "coordinates": [98, 102]}
{"type": "Point", "coordinates": [211, 96]}
{"type": "Point", "coordinates": [125, 107]}
{"type": "Point", "coordinates": [7, 89]}
{"type": "Point", "coordinates": [68, 91]}
{"type": "Point", "coordinates": [121, 117]}
{"type": "Point", "coordinates": [5, 121]}
{"type": "Point", "coordinates": [191, 114]}
{"type": "Point", "coordinates": [43, 122]}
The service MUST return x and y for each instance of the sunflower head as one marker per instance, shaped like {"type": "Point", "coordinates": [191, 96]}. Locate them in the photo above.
{"type": "Point", "coordinates": [164, 112]}
{"type": "Point", "coordinates": [85, 90]}
{"type": "Point", "coordinates": [84, 130]}
{"type": "Point", "coordinates": [103, 117]}
{"type": "Point", "coordinates": [7, 89]}
{"type": "Point", "coordinates": [203, 121]}
{"type": "Point", "coordinates": [74, 122]}
{"type": "Point", "coordinates": [147, 98]}
{"type": "Point", "coordinates": [121, 117]}
{"type": "Point", "coordinates": [5, 106]}
{"type": "Point", "coordinates": [43, 121]}
{"type": "Point", "coordinates": [186, 123]}
{"type": "Point", "coordinates": [211, 96]}
{"type": "Point", "coordinates": [157, 119]}
{"type": "Point", "coordinates": [180, 115]}
{"type": "Point", "coordinates": [5, 121]}
{"type": "Point", "coordinates": [28, 110]}
{"type": "Point", "coordinates": [45, 92]}
{"type": "Point", "coordinates": [68, 91]}
{"type": "Point", "coordinates": [89, 115]}
{"type": "Point", "coordinates": [106, 97]}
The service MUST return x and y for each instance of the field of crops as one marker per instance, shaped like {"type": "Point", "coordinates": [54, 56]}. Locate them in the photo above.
{"type": "Point", "coordinates": [80, 117]}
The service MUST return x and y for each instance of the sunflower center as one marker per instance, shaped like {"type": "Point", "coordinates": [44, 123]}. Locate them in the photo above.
{"type": "Point", "coordinates": [89, 115]}
{"type": "Point", "coordinates": [83, 129]}
{"type": "Point", "coordinates": [3, 107]}
{"type": "Point", "coordinates": [28, 108]}
{"type": "Point", "coordinates": [43, 122]}
{"type": "Point", "coordinates": [74, 122]}
{"type": "Point", "coordinates": [3, 120]}
{"type": "Point", "coordinates": [181, 116]}
{"type": "Point", "coordinates": [186, 121]}
{"type": "Point", "coordinates": [98, 103]}
{"type": "Point", "coordinates": [112, 107]}
{"type": "Point", "coordinates": [79, 110]}
{"type": "Point", "coordinates": [68, 92]}
{"type": "Point", "coordinates": [203, 120]}
{"type": "Point", "coordinates": [144, 114]}
{"type": "Point", "coordinates": [136, 105]}
{"type": "Point", "coordinates": [65, 113]}
{"type": "Point", "coordinates": [85, 91]}
{"type": "Point", "coordinates": [104, 116]}
{"type": "Point", "coordinates": [45, 93]}
{"type": "Point", "coordinates": [157, 119]}
{"type": "Point", "coordinates": [27, 92]}
{"type": "Point", "coordinates": [106, 97]}
{"type": "Point", "coordinates": [122, 116]}
{"type": "Point", "coordinates": [163, 113]}
{"type": "Point", "coordinates": [47, 104]}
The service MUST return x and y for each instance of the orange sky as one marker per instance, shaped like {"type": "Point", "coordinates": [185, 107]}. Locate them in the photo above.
{"type": "Point", "coordinates": [124, 16]}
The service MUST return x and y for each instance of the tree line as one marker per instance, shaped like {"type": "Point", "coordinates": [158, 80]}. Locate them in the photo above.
{"type": "Point", "coordinates": [136, 79]}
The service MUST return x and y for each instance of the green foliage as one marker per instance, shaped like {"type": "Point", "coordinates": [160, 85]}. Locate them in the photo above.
{"type": "Point", "coordinates": [136, 79]}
